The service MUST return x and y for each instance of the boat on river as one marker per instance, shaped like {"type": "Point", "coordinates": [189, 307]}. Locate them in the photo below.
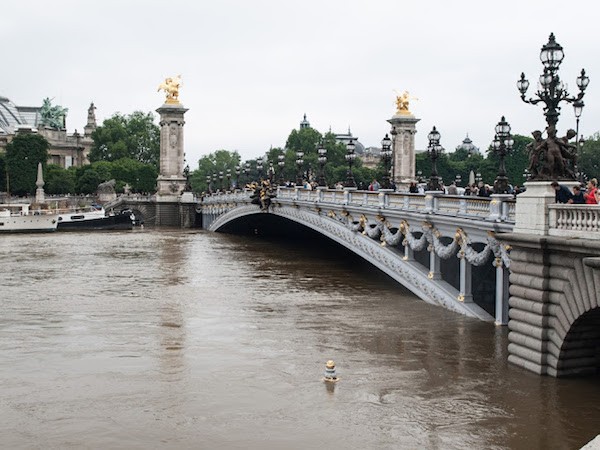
{"type": "Point", "coordinates": [94, 218]}
{"type": "Point", "coordinates": [21, 218]}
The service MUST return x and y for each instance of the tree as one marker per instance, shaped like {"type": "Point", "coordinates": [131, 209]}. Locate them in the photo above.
{"type": "Point", "coordinates": [23, 154]}
{"type": "Point", "coordinates": [134, 136]}
{"type": "Point", "coordinates": [589, 156]}
{"type": "Point", "coordinates": [214, 163]}
{"type": "Point", "coordinates": [59, 181]}
{"type": "Point", "coordinates": [515, 162]}
{"type": "Point", "coordinates": [2, 172]}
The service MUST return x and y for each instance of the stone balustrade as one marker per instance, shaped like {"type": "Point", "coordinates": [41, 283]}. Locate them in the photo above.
{"type": "Point", "coordinates": [570, 221]}
{"type": "Point", "coordinates": [499, 208]}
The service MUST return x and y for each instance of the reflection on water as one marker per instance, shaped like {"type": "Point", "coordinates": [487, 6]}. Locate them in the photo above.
{"type": "Point", "coordinates": [190, 339]}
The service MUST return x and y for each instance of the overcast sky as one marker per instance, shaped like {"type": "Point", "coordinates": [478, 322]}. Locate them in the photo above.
{"type": "Point", "coordinates": [251, 69]}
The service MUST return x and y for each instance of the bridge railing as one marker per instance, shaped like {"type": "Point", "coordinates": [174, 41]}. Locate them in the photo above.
{"type": "Point", "coordinates": [499, 208]}
{"type": "Point", "coordinates": [567, 220]}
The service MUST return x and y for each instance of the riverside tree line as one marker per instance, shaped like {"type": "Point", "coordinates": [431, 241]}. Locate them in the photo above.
{"type": "Point", "coordinates": [126, 148]}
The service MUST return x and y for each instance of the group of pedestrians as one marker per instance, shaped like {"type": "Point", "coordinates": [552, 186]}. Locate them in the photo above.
{"type": "Point", "coordinates": [578, 196]}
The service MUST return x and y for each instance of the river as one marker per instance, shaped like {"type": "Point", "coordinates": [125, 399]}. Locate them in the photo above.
{"type": "Point", "coordinates": [170, 339]}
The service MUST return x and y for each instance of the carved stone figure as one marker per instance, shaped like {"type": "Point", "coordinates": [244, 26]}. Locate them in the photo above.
{"type": "Point", "coordinates": [108, 187]}
{"type": "Point", "coordinates": [171, 87]}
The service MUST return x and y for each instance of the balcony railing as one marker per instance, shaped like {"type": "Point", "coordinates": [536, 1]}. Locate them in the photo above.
{"type": "Point", "coordinates": [574, 221]}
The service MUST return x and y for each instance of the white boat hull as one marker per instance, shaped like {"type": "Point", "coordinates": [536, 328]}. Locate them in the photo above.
{"type": "Point", "coordinates": [29, 224]}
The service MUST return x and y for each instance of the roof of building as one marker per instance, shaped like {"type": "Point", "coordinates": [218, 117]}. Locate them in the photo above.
{"type": "Point", "coordinates": [13, 117]}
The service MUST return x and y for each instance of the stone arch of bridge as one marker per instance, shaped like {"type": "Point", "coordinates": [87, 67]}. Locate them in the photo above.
{"type": "Point", "coordinates": [574, 347]}
{"type": "Point", "coordinates": [336, 227]}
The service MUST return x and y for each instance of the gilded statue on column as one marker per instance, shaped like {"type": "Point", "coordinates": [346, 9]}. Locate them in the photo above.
{"type": "Point", "coordinates": [402, 103]}
{"type": "Point", "coordinates": [171, 87]}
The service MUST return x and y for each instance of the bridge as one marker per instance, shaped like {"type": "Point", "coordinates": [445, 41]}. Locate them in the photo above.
{"type": "Point", "coordinates": [531, 264]}
{"type": "Point", "coordinates": [442, 248]}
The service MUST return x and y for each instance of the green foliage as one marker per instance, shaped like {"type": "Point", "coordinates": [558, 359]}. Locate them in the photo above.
{"type": "Point", "coordinates": [139, 176]}
{"type": "Point", "coordinates": [59, 181]}
{"type": "Point", "coordinates": [134, 136]}
{"type": "Point", "coordinates": [2, 172]}
{"type": "Point", "coordinates": [589, 156]}
{"type": "Point", "coordinates": [88, 181]}
{"type": "Point", "coordinates": [461, 163]}
{"type": "Point", "coordinates": [211, 164]}
{"type": "Point", "coordinates": [23, 154]}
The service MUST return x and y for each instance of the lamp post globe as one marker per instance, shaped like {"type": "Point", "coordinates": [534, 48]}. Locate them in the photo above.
{"type": "Point", "coordinates": [299, 168]}
{"type": "Point", "coordinates": [281, 164]}
{"type": "Point", "coordinates": [350, 157]}
{"type": "Point", "coordinates": [238, 170]}
{"type": "Point", "coordinates": [322, 152]}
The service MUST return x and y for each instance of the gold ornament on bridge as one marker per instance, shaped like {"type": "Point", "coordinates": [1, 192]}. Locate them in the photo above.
{"type": "Point", "coordinates": [402, 102]}
{"type": "Point", "coordinates": [171, 87]}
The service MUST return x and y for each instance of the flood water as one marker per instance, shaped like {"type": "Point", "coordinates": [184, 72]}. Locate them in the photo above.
{"type": "Point", "coordinates": [157, 339]}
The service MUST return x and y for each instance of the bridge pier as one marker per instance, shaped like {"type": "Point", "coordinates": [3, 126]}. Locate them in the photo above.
{"type": "Point", "coordinates": [554, 316]}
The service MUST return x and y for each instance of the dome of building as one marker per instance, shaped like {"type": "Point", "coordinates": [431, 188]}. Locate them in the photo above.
{"type": "Point", "coordinates": [467, 144]}
{"type": "Point", "coordinates": [344, 138]}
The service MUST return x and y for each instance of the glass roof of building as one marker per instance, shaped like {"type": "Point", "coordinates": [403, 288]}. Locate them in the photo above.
{"type": "Point", "coordinates": [13, 116]}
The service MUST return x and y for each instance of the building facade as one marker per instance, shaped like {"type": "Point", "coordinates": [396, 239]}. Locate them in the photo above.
{"type": "Point", "coordinates": [66, 149]}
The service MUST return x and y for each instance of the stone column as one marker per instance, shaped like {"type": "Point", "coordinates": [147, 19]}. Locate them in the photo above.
{"type": "Point", "coordinates": [434, 266]}
{"type": "Point", "coordinates": [502, 277]}
{"type": "Point", "coordinates": [403, 148]}
{"type": "Point", "coordinates": [40, 196]}
{"type": "Point", "coordinates": [171, 181]}
{"type": "Point", "coordinates": [466, 294]}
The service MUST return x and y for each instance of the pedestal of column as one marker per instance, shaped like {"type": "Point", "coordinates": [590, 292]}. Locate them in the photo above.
{"type": "Point", "coordinates": [403, 148]}
{"type": "Point", "coordinates": [531, 212]}
{"type": "Point", "coordinates": [171, 182]}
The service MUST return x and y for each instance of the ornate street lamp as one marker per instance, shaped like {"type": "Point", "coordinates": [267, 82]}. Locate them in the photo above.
{"type": "Point", "coordinates": [502, 145]}
{"type": "Point", "coordinates": [221, 180]}
{"type": "Point", "coordinates": [271, 173]}
{"type": "Point", "coordinates": [281, 164]}
{"type": "Point", "coordinates": [247, 165]}
{"type": "Point", "coordinates": [350, 157]}
{"type": "Point", "coordinates": [214, 180]}
{"type": "Point", "coordinates": [419, 176]}
{"type": "Point", "coordinates": [259, 168]}
{"type": "Point", "coordinates": [458, 180]}
{"type": "Point", "coordinates": [434, 151]}
{"type": "Point", "coordinates": [386, 155]}
{"type": "Point", "coordinates": [578, 109]}
{"type": "Point", "coordinates": [238, 170]}
{"type": "Point", "coordinates": [299, 164]}
{"type": "Point", "coordinates": [208, 188]}
{"type": "Point", "coordinates": [552, 90]}
{"type": "Point", "coordinates": [228, 179]}
{"type": "Point", "coordinates": [322, 151]}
